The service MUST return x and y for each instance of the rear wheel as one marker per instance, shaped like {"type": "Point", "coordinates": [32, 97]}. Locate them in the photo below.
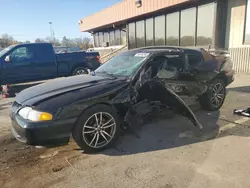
{"type": "Point", "coordinates": [97, 128]}
{"type": "Point", "coordinates": [79, 71]}
{"type": "Point", "coordinates": [214, 98]}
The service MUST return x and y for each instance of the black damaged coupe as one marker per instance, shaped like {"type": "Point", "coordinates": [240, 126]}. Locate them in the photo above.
{"type": "Point", "coordinates": [94, 108]}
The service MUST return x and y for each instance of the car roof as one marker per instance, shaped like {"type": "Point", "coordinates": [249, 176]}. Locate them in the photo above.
{"type": "Point", "coordinates": [156, 49]}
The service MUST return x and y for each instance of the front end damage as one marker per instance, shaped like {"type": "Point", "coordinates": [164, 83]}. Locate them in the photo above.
{"type": "Point", "coordinates": [152, 96]}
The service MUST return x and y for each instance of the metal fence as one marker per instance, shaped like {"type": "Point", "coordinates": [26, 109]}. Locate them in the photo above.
{"type": "Point", "coordinates": [241, 59]}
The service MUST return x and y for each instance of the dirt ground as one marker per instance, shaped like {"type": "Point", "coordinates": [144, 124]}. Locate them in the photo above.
{"type": "Point", "coordinates": [164, 153]}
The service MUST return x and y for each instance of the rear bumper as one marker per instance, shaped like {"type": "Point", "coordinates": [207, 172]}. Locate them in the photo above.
{"type": "Point", "coordinates": [42, 133]}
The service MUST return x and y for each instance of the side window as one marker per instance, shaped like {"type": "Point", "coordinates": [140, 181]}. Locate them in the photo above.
{"type": "Point", "coordinates": [194, 60]}
{"type": "Point", "coordinates": [21, 54]}
{"type": "Point", "coordinates": [174, 61]}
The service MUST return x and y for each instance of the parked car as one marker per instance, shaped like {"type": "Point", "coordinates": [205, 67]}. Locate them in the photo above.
{"type": "Point", "coordinates": [38, 61]}
{"type": "Point", "coordinates": [93, 107]}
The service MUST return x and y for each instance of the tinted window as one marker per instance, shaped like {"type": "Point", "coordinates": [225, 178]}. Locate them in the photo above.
{"type": "Point", "coordinates": [112, 38]}
{"type": "Point", "coordinates": [22, 54]}
{"type": "Point", "coordinates": [150, 32]}
{"type": "Point", "coordinates": [205, 24]}
{"type": "Point", "coordinates": [247, 27]}
{"type": "Point", "coordinates": [117, 37]}
{"type": "Point", "coordinates": [194, 60]}
{"type": "Point", "coordinates": [131, 35]}
{"type": "Point", "coordinates": [174, 61]}
{"type": "Point", "coordinates": [160, 30]}
{"type": "Point", "coordinates": [173, 29]}
{"type": "Point", "coordinates": [188, 19]}
{"type": "Point", "coordinates": [170, 68]}
{"type": "Point", "coordinates": [140, 34]}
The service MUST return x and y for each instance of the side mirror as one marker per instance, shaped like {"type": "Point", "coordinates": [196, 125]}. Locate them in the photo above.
{"type": "Point", "coordinates": [7, 59]}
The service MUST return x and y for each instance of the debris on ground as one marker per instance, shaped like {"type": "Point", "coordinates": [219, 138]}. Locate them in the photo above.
{"type": "Point", "coordinates": [245, 113]}
{"type": "Point", "coordinates": [49, 155]}
{"type": "Point", "coordinates": [57, 168]}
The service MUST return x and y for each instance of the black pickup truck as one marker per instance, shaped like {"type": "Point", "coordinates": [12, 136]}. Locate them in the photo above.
{"type": "Point", "coordinates": [37, 61]}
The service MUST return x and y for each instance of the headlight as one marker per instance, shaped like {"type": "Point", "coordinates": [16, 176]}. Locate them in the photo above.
{"type": "Point", "coordinates": [33, 115]}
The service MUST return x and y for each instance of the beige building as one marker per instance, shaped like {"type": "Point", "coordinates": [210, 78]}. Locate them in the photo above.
{"type": "Point", "coordinates": [136, 23]}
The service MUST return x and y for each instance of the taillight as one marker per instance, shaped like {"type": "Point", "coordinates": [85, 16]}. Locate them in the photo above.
{"type": "Point", "coordinates": [98, 59]}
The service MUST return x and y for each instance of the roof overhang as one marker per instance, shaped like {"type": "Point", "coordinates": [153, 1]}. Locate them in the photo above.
{"type": "Point", "coordinates": [123, 11]}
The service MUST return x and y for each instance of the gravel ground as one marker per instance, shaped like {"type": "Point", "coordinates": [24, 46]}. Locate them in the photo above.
{"type": "Point", "coordinates": [164, 153]}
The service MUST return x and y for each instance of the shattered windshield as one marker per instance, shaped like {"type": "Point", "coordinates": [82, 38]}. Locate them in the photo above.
{"type": "Point", "coordinates": [123, 65]}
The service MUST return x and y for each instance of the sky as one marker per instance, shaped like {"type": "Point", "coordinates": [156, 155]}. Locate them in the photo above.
{"type": "Point", "coordinates": [29, 19]}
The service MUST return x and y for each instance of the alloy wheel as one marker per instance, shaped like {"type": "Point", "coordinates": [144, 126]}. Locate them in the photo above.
{"type": "Point", "coordinates": [218, 94]}
{"type": "Point", "coordinates": [99, 130]}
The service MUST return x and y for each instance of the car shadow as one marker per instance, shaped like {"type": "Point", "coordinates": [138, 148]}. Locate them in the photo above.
{"type": "Point", "coordinates": [165, 133]}
{"type": "Point", "coordinates": [243, 89]}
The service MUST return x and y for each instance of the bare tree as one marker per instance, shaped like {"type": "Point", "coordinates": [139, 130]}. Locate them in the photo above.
{"type": "Point", "coordinates": [6, 40]}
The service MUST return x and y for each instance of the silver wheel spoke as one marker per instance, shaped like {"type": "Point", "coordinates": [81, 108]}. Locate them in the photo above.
{"type": "Point", "coordinates": [88, 132]}
{"type": "Point", "coordinates": [93, 139]}
{"type": "Point", "coordinates": [220, 96]}
{"type": "Point", "coordinates": [89, 127]}
{"type": "Point", "coordinates": [104, 137]}
{"type": "Point", "coordinates": [214, 89]}
{"type": "Point", "coordinates": [213, 99]}
{"type": "Point", "coordinates": [107, 126]}
{"type": "Point", "coordinates": [107, 122]}
{"type": "Point", "coordinates": [107, 134]}
{"type": "Point", "coordinates": [219, 89]}
{"type": "Point", "coordinates": [97, 139]}
{"type": "Point", "coordinates": [217, 101]}
{"type": "Point", "coordinates": [100, 118]}
{"type": "Point", "coordinates": [96, 119]}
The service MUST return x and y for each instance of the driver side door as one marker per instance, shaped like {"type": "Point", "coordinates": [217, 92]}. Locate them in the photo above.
{"type": "Point", "coordinates": [19, 67]}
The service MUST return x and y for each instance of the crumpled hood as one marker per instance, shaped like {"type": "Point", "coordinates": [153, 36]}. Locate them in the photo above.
{"type": "Point", "coordinates": [58, 86]}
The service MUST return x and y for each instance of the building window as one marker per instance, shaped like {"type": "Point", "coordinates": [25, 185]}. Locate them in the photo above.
{"type": "Point", "coordinates": [140, 34]}
{"type": "Point", "coordinates": [131, 35]}
{"type": "Point", "coordinates": [188, 23]}
{"type": "Point", "coordinates": [112, 38]}
{"type": "Point", "coordinates": [247, 27]}
{"type": "Point", "coordinates": [173, 29]}
{"type": "Point", "coordinates": [117, 37]}
{"type": "Point", "coordinates": [150, 32]}
{"type": "Point", "coordinates": [100, 39]}
{"type": "Point", "coordinates": [123, 36]}
{"type": "Point", "coordinates": [96, 40]}
{"type": "Point", "coordinates": [205, 24]}
{"type": "Point", "coordinates": [160, 30]}
{"type": "Point", "coordinates": [106, 37]}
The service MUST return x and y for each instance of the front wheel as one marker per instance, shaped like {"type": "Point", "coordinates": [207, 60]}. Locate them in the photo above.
{"type": "Point", "coordinates": [214, 98]}
{"type": "Point", "coordinates": [97, 128]}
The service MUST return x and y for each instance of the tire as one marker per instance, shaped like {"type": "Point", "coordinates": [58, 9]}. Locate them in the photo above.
{"type": "Point", "coordinates": [86, 123]}
{"type": "Point", "coordinates": [79, 71]}
{"type": "Point", "coordinates": [208, 101]}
